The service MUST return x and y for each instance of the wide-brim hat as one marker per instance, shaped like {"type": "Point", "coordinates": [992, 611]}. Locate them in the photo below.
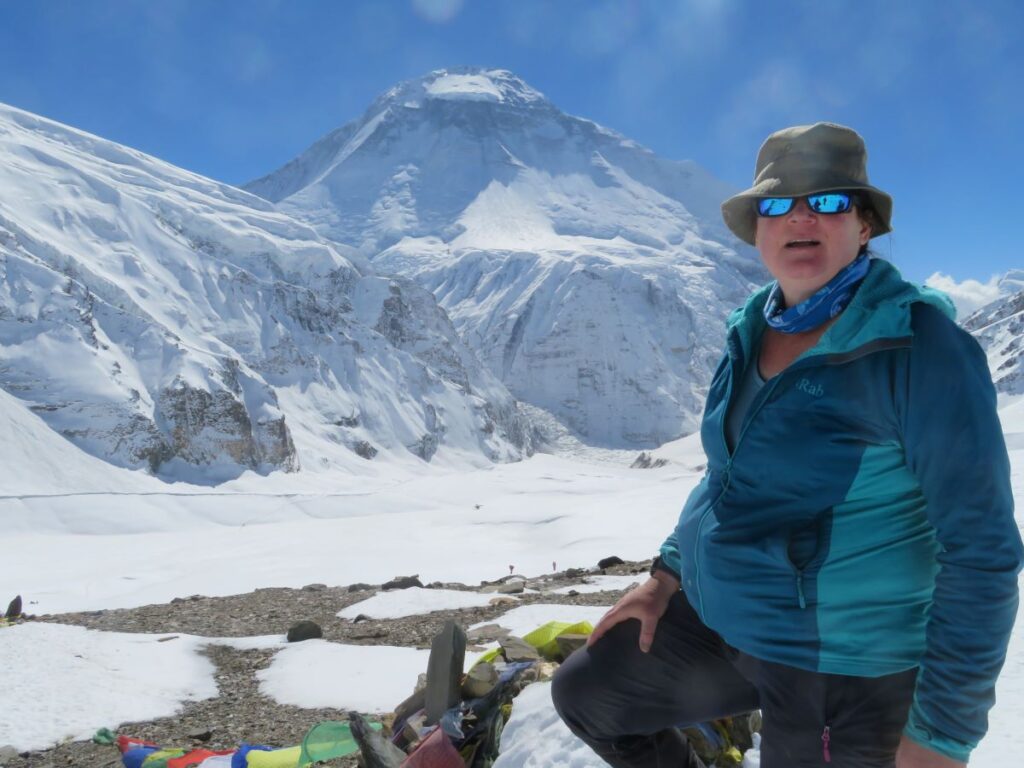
{"type": "Point", "coordinates": [803, 160]}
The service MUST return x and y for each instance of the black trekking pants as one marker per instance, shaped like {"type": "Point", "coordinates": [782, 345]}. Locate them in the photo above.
{"type": "Point", "coordinates": [628, 705]}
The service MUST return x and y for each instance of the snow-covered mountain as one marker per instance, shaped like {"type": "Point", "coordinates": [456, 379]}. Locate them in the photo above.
{"type": "Point", "coordinates": [999, 327]}
{"type": "Point", "coordinates": [159, 319]}
{"type": "Point", "coordinates": [589, 274]}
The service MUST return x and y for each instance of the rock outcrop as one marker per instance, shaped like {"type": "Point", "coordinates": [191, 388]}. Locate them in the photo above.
{"type": "Point", "coordinates": [999, 328]}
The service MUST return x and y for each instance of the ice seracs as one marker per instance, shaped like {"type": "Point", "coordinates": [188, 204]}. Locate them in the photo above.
{"type": "Point", "coordinates": [590, 275]}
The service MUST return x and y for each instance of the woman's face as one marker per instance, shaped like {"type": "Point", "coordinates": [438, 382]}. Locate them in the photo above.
{"type": "Point", "coordinates": [804, 250]}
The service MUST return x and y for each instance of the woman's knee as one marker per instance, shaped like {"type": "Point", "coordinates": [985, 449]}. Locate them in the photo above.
{"type": "Point", "coordinates": [570, 686]}
{"type": "Point", "coordinates": [584, 691]}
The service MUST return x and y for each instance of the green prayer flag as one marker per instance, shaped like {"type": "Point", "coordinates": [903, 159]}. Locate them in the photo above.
{"type": "Point", "coordinates": [328, 740]}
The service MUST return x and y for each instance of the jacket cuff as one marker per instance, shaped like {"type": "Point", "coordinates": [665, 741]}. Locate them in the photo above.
{"type": "Point", "coordinates": [659, 564]}
{"type": "Point", "coordinates": [919, 730]}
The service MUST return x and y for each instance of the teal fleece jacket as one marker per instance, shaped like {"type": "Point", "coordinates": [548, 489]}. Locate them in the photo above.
{"type": "Point", "coordinates": [863, 523]}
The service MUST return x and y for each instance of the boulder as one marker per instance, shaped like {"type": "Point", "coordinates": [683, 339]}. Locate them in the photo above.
{"type": "Point", "coordinates": [403, 582]}
{"type": "Point", "coordinates": [375, 750]}
{"type": "Point", "coordinates": [568, 643]}
{"type": "Point", "coordinates": [517, 649]}
{"type": "Point", "coordinates": [480, 681]}
{"type": "Point", "coordinates": [413, 705]}
{"type": "Point", "coordinates": [304, 630]}
{"type": "Point", "coordinates": [444, 670]}
{"type": "Point", "coordinates": [488, 633]}
{"type": "Point", "coordinates": [14, 608]}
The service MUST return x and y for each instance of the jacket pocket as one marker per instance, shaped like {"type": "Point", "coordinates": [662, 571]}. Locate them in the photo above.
{"type": "Point", "coordinates": [804, 551]}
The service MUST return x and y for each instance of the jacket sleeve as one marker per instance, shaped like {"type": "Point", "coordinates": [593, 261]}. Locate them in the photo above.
{"type": "Point", "coordinates": [954, 446]}
{"type": "Point", "coordinates": [669, 553]}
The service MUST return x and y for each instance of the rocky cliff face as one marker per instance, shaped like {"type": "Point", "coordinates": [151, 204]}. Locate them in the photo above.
{"type": "Point", "coordinates": [161, 320]}
{"type": "Point", "coordinates": [999, 327]}
{"type": "Point", "coordinates": [591, 276]}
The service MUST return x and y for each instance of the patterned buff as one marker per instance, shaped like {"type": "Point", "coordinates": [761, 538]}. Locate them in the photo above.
{"type": "Point", "coordinates": [829, 301]}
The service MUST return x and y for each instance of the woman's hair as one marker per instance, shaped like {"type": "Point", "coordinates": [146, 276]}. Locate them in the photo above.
{"type": "Point", "coordinates": [867, 214]}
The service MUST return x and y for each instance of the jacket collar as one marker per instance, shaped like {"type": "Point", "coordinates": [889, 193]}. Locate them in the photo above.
{"type": "Point", "coordinates": [879, 310]}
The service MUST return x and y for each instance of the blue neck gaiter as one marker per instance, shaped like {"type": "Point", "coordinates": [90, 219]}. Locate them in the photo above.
{"type": "Point", "coordinates": [826, 303]}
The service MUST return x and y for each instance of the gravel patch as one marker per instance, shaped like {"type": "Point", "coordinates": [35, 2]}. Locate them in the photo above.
{"type": "Point", "coordinates": [240, 712]}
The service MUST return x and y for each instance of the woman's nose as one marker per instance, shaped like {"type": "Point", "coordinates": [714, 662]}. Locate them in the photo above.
{"type": "Point", "coordinates": [801, 209]}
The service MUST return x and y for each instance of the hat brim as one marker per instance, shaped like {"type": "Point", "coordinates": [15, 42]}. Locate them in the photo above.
{"type": "Point", "coordinates": [741, 218]}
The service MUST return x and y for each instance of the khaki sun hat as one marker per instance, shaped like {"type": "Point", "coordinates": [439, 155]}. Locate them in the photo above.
{"type": "Point", "coordinates": [803, 160]}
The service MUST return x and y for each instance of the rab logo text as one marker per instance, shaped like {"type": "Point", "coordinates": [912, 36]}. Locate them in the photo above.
{"type": "Point", "coordinates": [811, 389]}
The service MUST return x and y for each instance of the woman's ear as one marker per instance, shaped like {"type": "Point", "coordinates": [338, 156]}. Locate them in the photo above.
{"type": "Point", "coordinates": [867, 219]}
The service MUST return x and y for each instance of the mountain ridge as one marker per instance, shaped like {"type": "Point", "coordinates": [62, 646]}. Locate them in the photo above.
{"type": "Point", "coordinates": [165, 321]}
{"type": "Point", "coordinates": [590, 275]}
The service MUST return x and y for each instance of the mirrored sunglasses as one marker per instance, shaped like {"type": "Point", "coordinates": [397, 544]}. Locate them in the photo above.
{"type": "Point", "coordinates": [823, 202]}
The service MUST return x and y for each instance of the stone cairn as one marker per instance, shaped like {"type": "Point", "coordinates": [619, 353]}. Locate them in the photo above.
{"type": "Point", "coordinates": [454, 719]}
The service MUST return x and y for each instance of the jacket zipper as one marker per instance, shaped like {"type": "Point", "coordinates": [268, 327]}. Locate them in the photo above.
{"type": "Point", "coordinates": [826, 738]}
{"type": "Point", "coordinates": [799, 365]}
{"type": "Point", "coordinates": [711, 506]}
{"type": "Point", "coordinates": [762, 397]}
{"type": "Point", "coordinates": [726, 474]}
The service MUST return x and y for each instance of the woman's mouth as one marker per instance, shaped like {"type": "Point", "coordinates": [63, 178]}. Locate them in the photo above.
{"type": "Point", "coordinates": [802, 243]}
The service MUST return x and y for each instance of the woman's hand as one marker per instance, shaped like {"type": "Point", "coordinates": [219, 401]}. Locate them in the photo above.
{"type": "Point", "coordinates": [648, 603]}
{"type": "Point", "coordinates": [912, 755]}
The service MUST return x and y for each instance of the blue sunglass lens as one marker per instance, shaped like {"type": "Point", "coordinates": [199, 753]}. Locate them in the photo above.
{"type": "Point", "coordinates": [829, 202]}
{"type": "Point", "coordinates": [825, 202]}
{"type": "Point", "coordinates": [774, 206]}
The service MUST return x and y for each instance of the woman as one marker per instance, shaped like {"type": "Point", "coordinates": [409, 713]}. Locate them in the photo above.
{"type": "Point", "coordinates": [849, 562]}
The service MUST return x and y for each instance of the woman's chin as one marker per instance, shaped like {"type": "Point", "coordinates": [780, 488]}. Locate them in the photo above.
{"type": "Point", "coordinates": [805, 274]}
{"type": "Point", "coordinates": [800, 284]}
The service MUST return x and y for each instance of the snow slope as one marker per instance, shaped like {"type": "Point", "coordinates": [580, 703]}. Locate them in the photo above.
{"type": "Point", "coordinates": [590, 275]}
{"type": "Point", "coordinates": [162, 320]}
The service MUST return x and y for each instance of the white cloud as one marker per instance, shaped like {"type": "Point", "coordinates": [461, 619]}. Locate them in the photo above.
{"type": "Point", "coordinates": [968, 295]}
{"type": "Point", "coordinates": [437, 11]}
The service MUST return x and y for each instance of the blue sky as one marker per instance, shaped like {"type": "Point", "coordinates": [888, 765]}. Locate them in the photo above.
{"type": "Point", "coordinates": [235, 89]}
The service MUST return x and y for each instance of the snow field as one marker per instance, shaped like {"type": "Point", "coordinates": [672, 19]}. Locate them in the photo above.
{"type": "Point", "coordinates": [534, 512]}
{"type": "Point", "coordinates": [66, 682]}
